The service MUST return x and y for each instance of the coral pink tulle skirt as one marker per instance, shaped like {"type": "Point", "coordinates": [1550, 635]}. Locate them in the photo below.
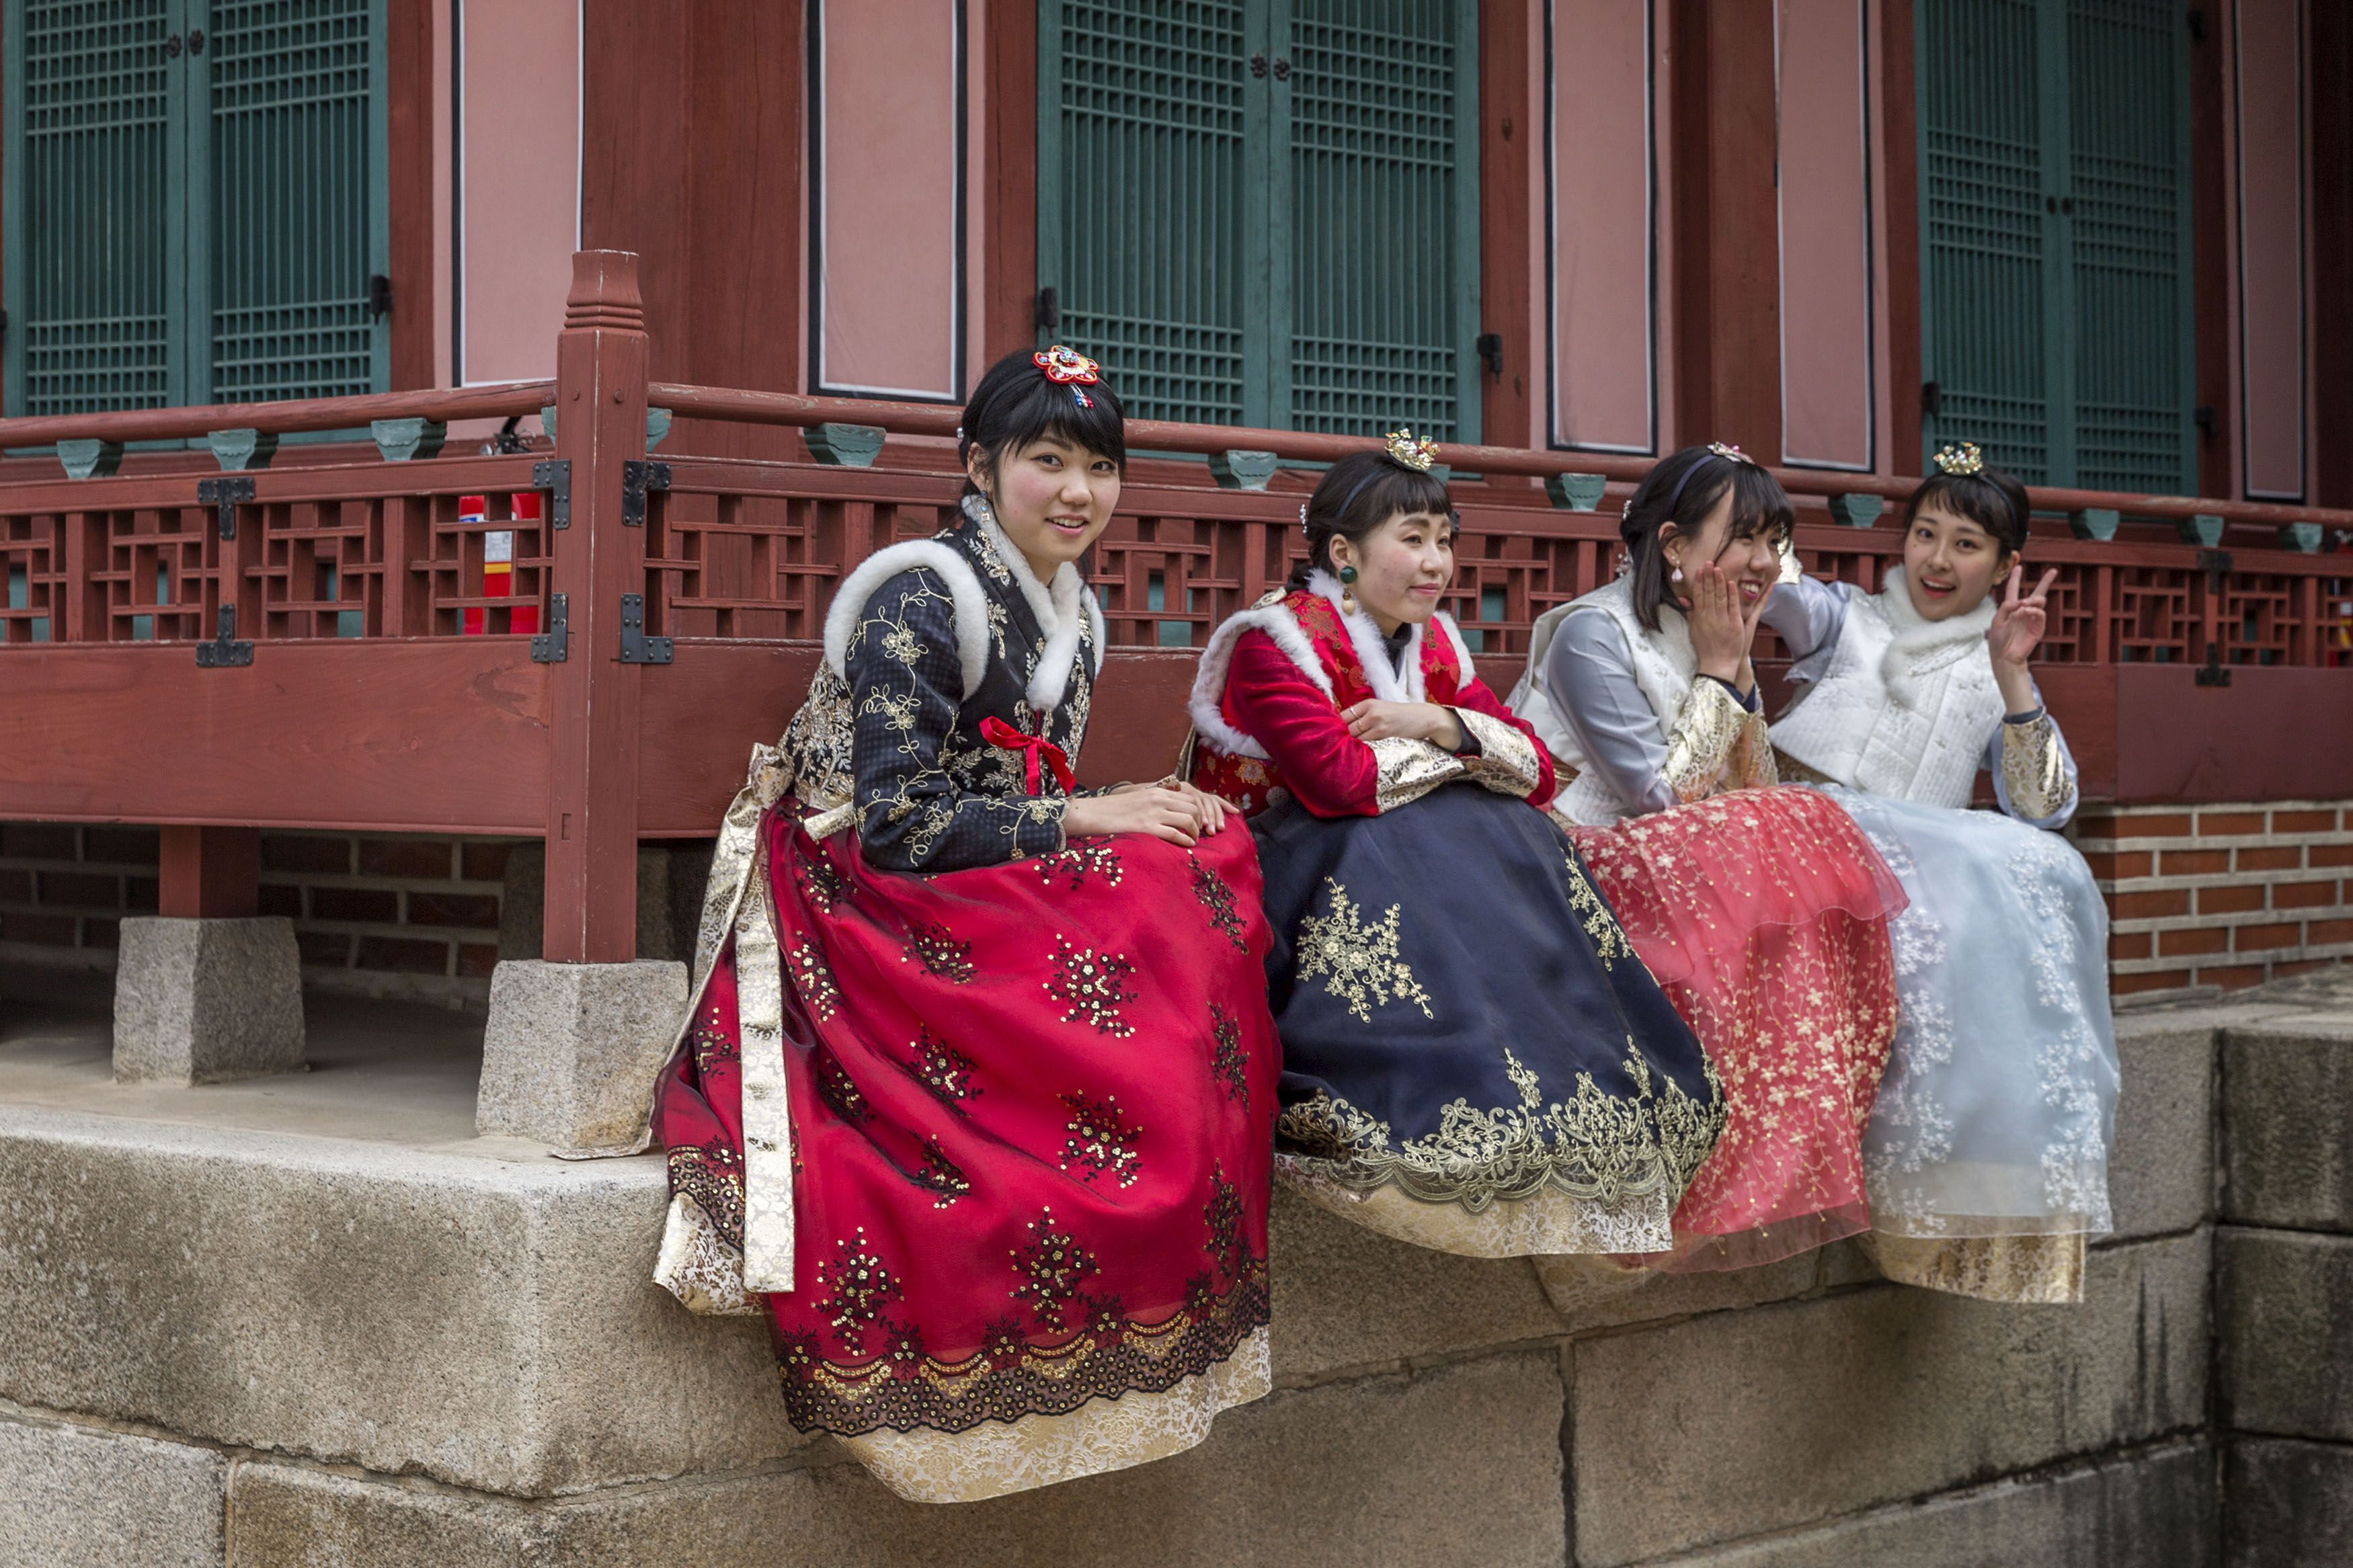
{"type": "Point", "coordinates": [1763, 914]}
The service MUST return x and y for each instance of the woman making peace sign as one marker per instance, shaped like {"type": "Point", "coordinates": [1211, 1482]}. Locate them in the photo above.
{"type": "Point", "coordinates": [1986, 1159]}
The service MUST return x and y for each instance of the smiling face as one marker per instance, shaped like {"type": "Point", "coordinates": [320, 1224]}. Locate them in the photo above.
{"type": "Point", "coordinates": [1950, 563]}
{"type": "Point", "coordinates": [1403, 567]}
{"type": "Point", "coordinates": [1753, 564]}
{"type": "Point", "coordinates": [1051, 496]}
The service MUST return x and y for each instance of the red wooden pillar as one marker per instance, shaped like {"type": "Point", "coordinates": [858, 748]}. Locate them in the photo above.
{"type": "Point", "coordinates": [1726, 261]}
{"type": "Point", "coordinates": [1508, 127]}
{"type": "Point", "coordinates": [209, 873]}
{"type": "Point", "coordinates": [591, 808]}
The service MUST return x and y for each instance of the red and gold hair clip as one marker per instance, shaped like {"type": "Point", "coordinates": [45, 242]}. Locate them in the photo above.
{"type": "Point", "coordinates": [1068, 367]}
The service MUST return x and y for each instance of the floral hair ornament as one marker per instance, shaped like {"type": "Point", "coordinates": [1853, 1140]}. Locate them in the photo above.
{"type": "Point", "coordinates": [1960, 460]}
{"type": "Point", "coordinates": [1068, 367]}
{"type": "Point", "coordinates": [1415, 455]}
{"type": "Point", "coordinates": [1734, 453]}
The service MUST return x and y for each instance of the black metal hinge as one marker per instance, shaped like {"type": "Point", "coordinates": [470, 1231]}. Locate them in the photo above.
{"type": "Point", "coordinates": [225, 652]}
{"type": "Point", "coordinates": [554, 646]}
{"type": "Point", "coordinates": [379, 304]}
{"type": "Point", "coordinates": [1490, 351]}
{"type": "Point", "coordinates": [636, 647]}
{"type": "Point", "coordinates": [1932, 399]}
{"type": "Point", "coordinates": [222, 495]}
{"type": "Point", "coordinates": [636, 478]}
{"type": "Point", "coordinates": [1049, 313]}
{"type": "Point", "coordinates": [553, 475]}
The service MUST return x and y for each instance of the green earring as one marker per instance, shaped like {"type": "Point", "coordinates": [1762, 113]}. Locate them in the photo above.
{"type": "Point", "coordinates": [1347, 574]}
{"type": "Point", "coordinates": [1348, 596]}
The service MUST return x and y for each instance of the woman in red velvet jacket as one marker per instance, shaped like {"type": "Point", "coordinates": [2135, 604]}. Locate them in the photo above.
{"type": "Point", "coordinates": [1473, 1059]}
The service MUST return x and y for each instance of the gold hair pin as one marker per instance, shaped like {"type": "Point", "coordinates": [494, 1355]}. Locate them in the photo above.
{"type": "Point", "coordinates": [1415, 455]}
{"type": "Point", "coordinates": [1960, 460]}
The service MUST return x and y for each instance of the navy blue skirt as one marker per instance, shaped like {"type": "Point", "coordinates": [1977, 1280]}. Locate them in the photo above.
{"type": "Point", "coordinates": [1474, 1059]}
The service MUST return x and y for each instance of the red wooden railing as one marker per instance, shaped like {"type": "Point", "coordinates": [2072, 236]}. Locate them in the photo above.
{"type": "Point", "coordinates": [365, 706]}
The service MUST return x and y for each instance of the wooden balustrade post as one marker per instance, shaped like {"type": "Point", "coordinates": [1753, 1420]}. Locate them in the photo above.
{"type": "Point", "coordinates": [209, 873]}
{"type": "Point", "coordinates": [591, 808]}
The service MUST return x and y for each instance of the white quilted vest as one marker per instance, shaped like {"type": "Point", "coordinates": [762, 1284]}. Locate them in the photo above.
{"type": "Point", "coordinates": [1908, 706]}
{"type": "Point", "coordinates": [1664, 669]}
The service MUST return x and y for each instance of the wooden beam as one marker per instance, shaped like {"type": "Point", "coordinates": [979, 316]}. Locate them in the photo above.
{"type": "Point", "coordinates": [1899, 123]}
{"type": "Point", "coordinates": [1009, 167]}
{"type": "Point", "coordinates": [209, 873]}
{"type": "Point", "coordinates": [1508, 127]}
{"type": "Point", "coordinates": [1726, 258]}
{"type": "Point", "coordinates": [415, 218]}
{"type": "Point", "coordinates": [2211, 235]}
{"type": "Point", "coordinates": [2329, 73]}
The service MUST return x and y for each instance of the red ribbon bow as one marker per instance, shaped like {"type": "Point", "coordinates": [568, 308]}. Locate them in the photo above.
{"type": "Point", "coordinates": [999, 733]}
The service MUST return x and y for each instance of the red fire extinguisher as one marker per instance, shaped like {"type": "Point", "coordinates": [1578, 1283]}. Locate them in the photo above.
{"type": "Point", "coordinates": [498, 562]}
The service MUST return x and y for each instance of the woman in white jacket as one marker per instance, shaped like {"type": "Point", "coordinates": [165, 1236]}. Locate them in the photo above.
{"type": "Point", "coordinates": [1987, 1154]}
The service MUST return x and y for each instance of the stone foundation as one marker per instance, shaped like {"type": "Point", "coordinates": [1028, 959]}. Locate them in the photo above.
{"type": "Point", "coordinates": [238, 1346]}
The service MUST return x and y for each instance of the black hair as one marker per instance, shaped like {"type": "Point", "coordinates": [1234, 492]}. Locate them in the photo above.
{"type": "Point", "coordinates": [1682, 488]}
{"type": "Point", "coordinates": [1015, 405]}
{"type": "Point", "coordinates": [1359, 493]}
{"type": "Point", "coordinates": [1990, 498]}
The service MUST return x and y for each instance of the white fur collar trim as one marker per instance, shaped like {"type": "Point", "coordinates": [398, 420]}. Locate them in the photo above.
{"type": "Point", "coordinates": [1921, 645]}
{"type": "Point", "coordinates": [1063, 614]}
{"type": "Point", "coordinates": [1365, 637]}
{"type": "Point", "coordinates": [964, 588]}
{"type": "Point", "coordinates": [1205, 705]}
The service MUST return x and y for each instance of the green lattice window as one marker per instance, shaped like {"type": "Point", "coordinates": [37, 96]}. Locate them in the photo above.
{"type": "Point", "coordinates": [2055, 243]}
{"type": "Point", "coordinates": [1266, 212]}
{"type": "Point", "coordinates": [194, 201]}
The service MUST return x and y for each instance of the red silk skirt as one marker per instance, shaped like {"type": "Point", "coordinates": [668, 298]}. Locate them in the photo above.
{"type": "Point", "coordinates": [1032, 1110]}
{"type": "Point", "coordinates": [1763, 914]}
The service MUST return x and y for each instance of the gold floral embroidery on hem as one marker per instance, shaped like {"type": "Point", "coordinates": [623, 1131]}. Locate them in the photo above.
{"type": "Point", "coordinates": [713, 1175]}
{"type": "Point", "coordinates": [1079, 858]}
{"type": "Point", "coordinates": [1010, 1375]}
{"type": "Point", "coordinates": [2034, 769]}
{"type": "Point", "coordinates": [855, 1285]}
{"type": "Point", "coordinates": [1359, 963]}
{"type": "Point", "coordinates": [1593, 1145]}
{"type": "Point", "coordinates": [1602, 926]}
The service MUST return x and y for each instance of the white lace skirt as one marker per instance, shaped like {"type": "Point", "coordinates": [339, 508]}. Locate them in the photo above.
{"type": "Point", "coordinates": [1999, 1107]}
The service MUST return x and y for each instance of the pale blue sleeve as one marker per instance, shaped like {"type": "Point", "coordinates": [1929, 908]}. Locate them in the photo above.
{"type": "Point", "coordinates": [1809, 613]}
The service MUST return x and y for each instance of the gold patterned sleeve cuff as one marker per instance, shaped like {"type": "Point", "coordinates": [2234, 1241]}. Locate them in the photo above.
{"type": "Point", "coordinates": [2034, 769]}
{"type": "Point", "coordinates": [1716, 743]}
{"type": "Point", "coordinates": [1506, 761]}
{"type": "Point", "coordinates": [1408, 770]}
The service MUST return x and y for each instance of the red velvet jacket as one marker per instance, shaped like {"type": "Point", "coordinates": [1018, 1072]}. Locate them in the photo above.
{"type": "Point", "coordinates": [1275, 680]}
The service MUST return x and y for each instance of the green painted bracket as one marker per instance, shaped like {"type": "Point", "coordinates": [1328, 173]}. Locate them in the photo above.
{"type": "Point", "coordinates": [2302, 537]}
{"type": "Point", "coordinates": [2094, 522]}
{"type": "Point", "coordinates": [234, 450]}
{"type": "Point", "coordinates": [402, 440]}
{"type": "Point", "coordinates": [89, 459]}
{"type": "Point", "coordinates": [2205, 528]}
{"type": "Point", "coordinates": [1242, 469]}
{"type": "Point", "coordinates": [1856, 511]}
{"type": "Point", "coordinates": [547, 421]}
{"type": "Point", "coordinates": [1576, 493]}
{"type": "Point", "coordinates": [844, 446]}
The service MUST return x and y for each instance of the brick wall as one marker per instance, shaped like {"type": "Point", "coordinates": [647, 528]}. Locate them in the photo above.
{"type": "Point", "coordinates": [2220, 895]}
{"type": "Point", "coordinates": [2203, 898]}
{"type": "Point", "coordinates": [383, 914]}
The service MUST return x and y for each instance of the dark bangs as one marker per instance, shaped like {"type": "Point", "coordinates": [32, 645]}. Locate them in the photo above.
{"type": "Point", "coordinates": [1993, 499]}
{"type": "Point", "coordinates": [1015, 405]}
{"type": "Point", "coordinates": [1359, 493]}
